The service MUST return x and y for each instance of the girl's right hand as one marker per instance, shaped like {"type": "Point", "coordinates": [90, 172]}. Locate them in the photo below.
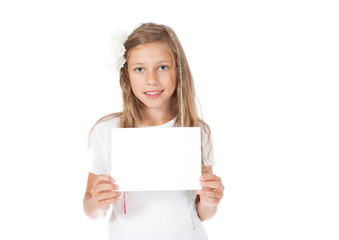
{"type": "Point", "coordinates": [104, 192]}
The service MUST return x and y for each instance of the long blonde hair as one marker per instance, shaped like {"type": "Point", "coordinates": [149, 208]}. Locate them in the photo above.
{"type": "Point", "coordinates": [132, 113]}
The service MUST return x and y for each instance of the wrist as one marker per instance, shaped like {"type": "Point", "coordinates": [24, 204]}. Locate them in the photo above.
{"type": "Point", "coordinates": [99, 210]}
{"type": "Point", "coordinates": [206, 210]}
{"type": "Point", "coordinates": [91, 211]}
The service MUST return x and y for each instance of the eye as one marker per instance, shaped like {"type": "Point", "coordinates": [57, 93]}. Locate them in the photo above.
{"type": "Point", "coordinates": [139, 69]}
{"type": "Point", "coordinates": [163, 67]}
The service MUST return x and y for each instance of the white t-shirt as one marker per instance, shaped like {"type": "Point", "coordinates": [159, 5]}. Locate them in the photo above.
{"type": "Point", "coordinates": [150, 215]}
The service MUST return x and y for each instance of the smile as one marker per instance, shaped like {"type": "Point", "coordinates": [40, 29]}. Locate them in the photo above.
{"type": "Point", "coordinates": [153, 94]}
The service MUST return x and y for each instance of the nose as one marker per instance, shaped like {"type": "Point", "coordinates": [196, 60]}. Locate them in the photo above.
{"type": "Point", "coordinates": [152, 78]}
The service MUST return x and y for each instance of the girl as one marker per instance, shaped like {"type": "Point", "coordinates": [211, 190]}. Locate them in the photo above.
{"type": "Point", "coordinates": [158, 91]}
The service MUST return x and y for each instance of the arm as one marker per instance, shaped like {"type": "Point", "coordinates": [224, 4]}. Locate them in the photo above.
{"type": "Point", "coordinates": [210, 195]}
{"type": "Point", "coordinates": [99, 195]}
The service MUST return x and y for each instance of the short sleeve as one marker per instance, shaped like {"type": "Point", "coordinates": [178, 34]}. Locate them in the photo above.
{"type": "Point", "coordinates": [207, 146]}
{"type": "Point", "coordinates": [99, 150]}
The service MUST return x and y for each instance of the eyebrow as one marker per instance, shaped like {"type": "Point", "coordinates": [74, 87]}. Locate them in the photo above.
{"type": "Point", "coordinates": [156, 63]}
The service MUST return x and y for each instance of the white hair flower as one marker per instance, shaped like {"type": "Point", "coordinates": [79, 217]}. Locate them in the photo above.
{"type": "Point", "coordinates": [118, 39]}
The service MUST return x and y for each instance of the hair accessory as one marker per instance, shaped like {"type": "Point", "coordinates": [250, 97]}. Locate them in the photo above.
{"type": "Point", "coordinates": [182, 124]}
{"type": "Point", "coordinates": [192, 213]}
{"type": "Point", "coordinates": [124, 203]}
{"type": "Point", "coordinates": [118, 50]}
{"type": "Point", "coordinates": [180, 74]}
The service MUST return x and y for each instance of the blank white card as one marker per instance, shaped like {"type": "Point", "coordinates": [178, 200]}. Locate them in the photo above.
{"type": "Point", "coordinates": [156, 159]}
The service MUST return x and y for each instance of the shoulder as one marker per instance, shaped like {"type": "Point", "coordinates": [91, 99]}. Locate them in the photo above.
{"type": "Point", "coordinates": [106, 124]}
{"type": "Point", "coordinates": [102, 127]}
{"type": "Point", "coordinates": [205, 128]}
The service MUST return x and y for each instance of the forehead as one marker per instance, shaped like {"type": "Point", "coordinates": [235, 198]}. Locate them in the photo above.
{"type": "Point", "coordinates": [151, 51]}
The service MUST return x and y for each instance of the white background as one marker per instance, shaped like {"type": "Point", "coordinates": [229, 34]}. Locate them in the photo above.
{"type": "Point", "coordinates": [266, 74]}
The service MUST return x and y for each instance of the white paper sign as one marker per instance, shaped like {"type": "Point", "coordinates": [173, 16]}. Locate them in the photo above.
{"type": "Point", "coordinates": [156, 159]}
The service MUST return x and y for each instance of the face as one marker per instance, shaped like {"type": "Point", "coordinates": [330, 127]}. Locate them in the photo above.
{"type": "Point", "coordinates": [152, 74]}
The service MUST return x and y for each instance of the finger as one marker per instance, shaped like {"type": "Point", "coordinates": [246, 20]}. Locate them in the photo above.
{"type": "Point", "coordinates": [102, 188]}
{"type": "Point", "coordinates": [211, 194]}
{"type": "Point", "coordinates": [210, 177]}
{"type": "Point", "coordinates": [105, 178]}
{"type": "Point", "coordinates": [214, 185]}
{"type": "Point", "coordinates": [107, 195]}
{"type": "Point", "coordinates": [207, 189]}
{"type": "Point", "coordinates": [106, 203]}
{"type": "Point", "coordinates": [212, 201]}
{"type": "Point", "coordinates": [106, 187]}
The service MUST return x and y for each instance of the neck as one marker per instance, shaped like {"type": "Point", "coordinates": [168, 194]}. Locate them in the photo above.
{"type": "Point", "coordinates": [155, 118]}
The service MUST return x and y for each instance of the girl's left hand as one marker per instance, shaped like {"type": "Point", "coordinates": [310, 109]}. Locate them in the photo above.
{"type": "Point", "coordinates": [212, 190]}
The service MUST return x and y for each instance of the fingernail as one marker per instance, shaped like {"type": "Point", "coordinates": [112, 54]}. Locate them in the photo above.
{"type": "Point", "coordinates": [203, 183]}
{"type": "Point", "coordinates": [116, 186]}
{"type": "Point", "coordinates": [202, 178]}
{"type": "Point", "coordinates": [112, 180]}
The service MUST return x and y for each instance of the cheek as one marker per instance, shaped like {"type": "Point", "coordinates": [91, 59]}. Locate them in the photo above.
{"type": "Point", "coordinates": [174, 79]}
{"type": "Point", "coordinates": [135, 85]}
{"type": "Point", "coordinates": [169, 80]}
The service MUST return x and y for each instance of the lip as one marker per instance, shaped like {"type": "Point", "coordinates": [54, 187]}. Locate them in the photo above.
{"type": "Point", "coordinates": [153, 96]}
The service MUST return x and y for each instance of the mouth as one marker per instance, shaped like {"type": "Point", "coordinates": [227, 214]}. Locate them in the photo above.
{"type": "Point", "coordinates": [153, 94]}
